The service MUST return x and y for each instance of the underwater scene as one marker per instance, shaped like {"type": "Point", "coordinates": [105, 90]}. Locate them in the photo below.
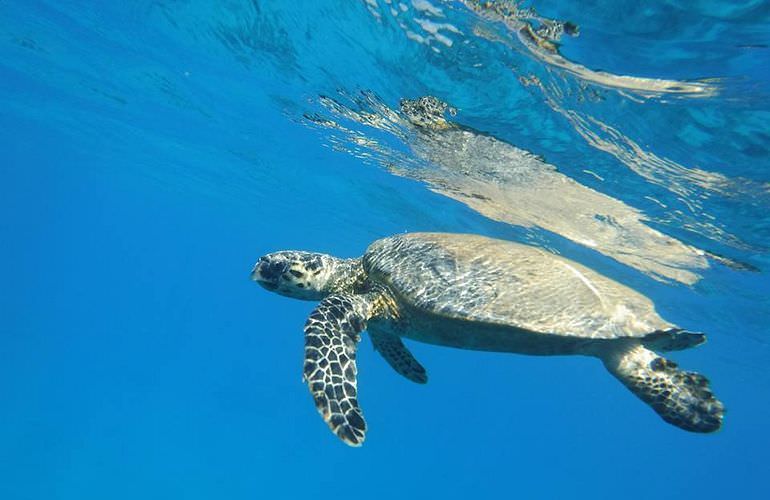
{"type": "Point", "coordinates": [530, 243]}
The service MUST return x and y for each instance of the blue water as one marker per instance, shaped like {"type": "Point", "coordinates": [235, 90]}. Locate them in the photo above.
{"type": "Point", "coordinates": [151, 151]}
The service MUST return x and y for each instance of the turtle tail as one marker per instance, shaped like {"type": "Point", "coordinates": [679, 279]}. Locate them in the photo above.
{"type": "Point", "coordinates": [681, 398]}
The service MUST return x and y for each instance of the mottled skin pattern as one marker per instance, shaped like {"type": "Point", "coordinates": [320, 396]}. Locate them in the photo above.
{"type": "Point", "coordinates": [478, 293]}
{"type": "Point", "coordinates": [331, 334]}
{"type": "Point", "coordinates": [681, 398]}
{"type": "Point", "coordinates": [398, 356]}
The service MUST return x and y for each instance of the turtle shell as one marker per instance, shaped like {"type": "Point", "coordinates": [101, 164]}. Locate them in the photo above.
{"type": "Point", "coordinates": [478, 279]}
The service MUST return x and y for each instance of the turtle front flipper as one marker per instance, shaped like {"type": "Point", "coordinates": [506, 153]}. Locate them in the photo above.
{"type": "Point", "coordinates": [331, 334]}
{"type": "Point", "coordinates": [398, 356]}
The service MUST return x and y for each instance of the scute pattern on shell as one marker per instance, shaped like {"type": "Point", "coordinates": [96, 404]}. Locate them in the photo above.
{"type": "Point", "coordinates": [480, 279]}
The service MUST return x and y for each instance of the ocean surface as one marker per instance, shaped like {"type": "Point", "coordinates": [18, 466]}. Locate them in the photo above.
{"type": "Point", "coordinates": [151, 151]}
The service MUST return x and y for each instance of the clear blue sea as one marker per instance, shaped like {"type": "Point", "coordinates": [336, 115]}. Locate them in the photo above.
{"type": "Point", "coordinates": [151, 151]}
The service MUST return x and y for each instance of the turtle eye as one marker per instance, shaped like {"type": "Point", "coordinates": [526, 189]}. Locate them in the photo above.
{"type": "Point", "coordinates": [295, 273]}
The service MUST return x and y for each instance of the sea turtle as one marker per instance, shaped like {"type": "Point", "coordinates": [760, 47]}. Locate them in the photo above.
{"type": "Point", "coordinates": [473, 292]}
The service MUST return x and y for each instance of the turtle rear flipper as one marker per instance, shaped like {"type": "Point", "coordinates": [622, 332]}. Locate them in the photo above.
{"type": "Point", "coordinates": [681, 398]}
{"type": "Point", "coordinates": [331, 334]}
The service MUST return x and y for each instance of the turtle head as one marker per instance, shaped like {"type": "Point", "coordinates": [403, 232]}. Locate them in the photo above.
{"type": "Point", "coordinates": [300, 275]}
